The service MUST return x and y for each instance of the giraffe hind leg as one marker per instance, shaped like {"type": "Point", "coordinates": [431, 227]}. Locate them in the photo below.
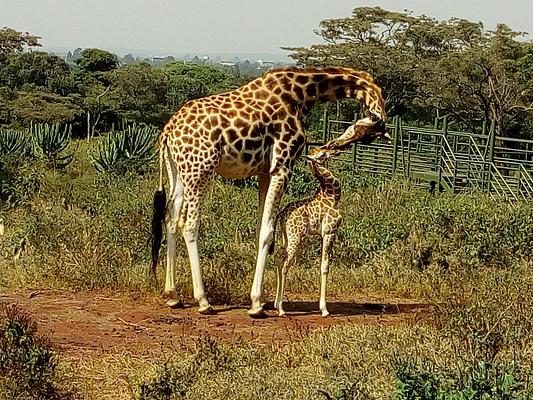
{"type": "Point", "coordinates": [190, 223]}
{"type": "Point", "coordinates": [327, 244]}
{"type": "Point", "coordinates": [174, 207]}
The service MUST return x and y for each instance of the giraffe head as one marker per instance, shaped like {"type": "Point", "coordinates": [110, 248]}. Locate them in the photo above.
{"type": "Point", "coordinates": [364, 131]}
{"type": "Point", "coordinates": [319, 155]}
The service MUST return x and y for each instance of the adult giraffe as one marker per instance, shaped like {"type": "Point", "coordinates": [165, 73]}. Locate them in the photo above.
{"type": "Point", "coordinates": [253, 130]}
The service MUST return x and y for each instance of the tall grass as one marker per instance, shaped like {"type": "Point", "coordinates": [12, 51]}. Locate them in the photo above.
{"type": "Point", "coordinates": [468, 255]}
{"type": "Point", "coordinates": [91, 230]}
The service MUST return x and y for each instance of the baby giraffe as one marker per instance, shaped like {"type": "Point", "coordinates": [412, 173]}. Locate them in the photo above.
{"type": "Point", "coordinates": [318, 215]}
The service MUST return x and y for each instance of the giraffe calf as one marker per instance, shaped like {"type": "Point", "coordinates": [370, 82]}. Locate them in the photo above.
{"type": "Point", "coordinates": [318, 215]}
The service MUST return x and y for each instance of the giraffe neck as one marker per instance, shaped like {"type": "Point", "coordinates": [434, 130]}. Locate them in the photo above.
{"type": "Point", "coordinates": [329, 185]}
{"type": "Point", "coordinates": [306, 87]}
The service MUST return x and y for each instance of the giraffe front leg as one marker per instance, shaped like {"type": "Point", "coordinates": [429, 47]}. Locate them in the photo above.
{"type": "Point", "coordinates": [278, 286]}
{"type": "Point", "coordinates": [264, 182]}
{"type": "Point", "coordinates": [283, 277]}
{"type": "Point", "coordinates": [266, 236]}
{"type": "Point", "coordinates": [327, 243]}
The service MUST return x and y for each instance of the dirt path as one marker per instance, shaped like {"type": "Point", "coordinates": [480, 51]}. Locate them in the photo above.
{"type": "Point", "coordinates": [99, 322]}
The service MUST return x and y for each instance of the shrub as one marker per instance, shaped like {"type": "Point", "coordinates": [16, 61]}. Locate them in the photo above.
{"type": "Point", "coordinates": [12, 143]}
{"type": "Point", "coordinates": [126, 150]}
{"type": "Point", "coordinates": [49, 142]}
{"type": "Point", "coordinates": [28, 364]}
{"type": "Point", "coordinates": [20, 181]}
{"type": "Point", "coordinates": [174, 378]}
{"type": "Point", "coordinates": [473, 381]}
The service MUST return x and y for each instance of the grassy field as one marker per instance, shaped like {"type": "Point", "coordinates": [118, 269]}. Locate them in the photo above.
{"type": "Point", "coordinates": [467, 255]}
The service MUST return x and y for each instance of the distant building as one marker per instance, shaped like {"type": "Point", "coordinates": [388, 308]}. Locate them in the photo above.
{"type": "Point", "coordinates": [162, 60]}
{"type": "Point", "coordinates": [265, 65]}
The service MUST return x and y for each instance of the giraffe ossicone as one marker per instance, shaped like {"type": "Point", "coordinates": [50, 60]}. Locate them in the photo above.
{"type": "Point", "coordinates": [255, 129]}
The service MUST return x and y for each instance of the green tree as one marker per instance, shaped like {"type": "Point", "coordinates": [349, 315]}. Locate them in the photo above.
{"type": "Point", "coordinates": [94, 96]}
{"type": "Point", "coordinates": [187, 81]}
{"type": "Point", "coordinates": [37, 69]}
{"type": "Point", "coordinates": [138, 93]}
{"type": "Point", "coordinates": [96, 60]}
{"type": "Point", "coordinates": [43, 107]}
{"type": "Point", "coordinates": [12, 41]}
{"type": "Point", "coordinates": [450, 67]}
{"type": "Point", "coordinates": [481, 82]}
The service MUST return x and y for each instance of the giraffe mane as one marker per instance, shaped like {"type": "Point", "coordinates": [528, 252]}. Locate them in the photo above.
{"type": "Point", "coordinates": [327, 70]}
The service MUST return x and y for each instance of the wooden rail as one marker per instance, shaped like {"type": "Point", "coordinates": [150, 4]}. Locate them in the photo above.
{"type": "Point", "coordinates": [443, 159]}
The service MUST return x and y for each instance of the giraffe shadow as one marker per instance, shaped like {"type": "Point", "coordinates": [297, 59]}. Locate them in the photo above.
{"type": "Point", "coordinates": [348, 309]}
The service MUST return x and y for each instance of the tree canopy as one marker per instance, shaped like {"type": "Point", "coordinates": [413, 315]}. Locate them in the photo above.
{"type": "Point", "coordinates": [96, 60]}
{"type": "Point", "coordinates": [427, 68]}
{"type": "Point", "coordinates": [12, 41]}
{"type": "Point", "coordinates": [452, 67]}
{"type": "Point", "coordinates": [97, 92]}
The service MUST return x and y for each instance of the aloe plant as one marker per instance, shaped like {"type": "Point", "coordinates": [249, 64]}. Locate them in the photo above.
{"type": "Point", "coordinates": [12, 143]}
{"type": "Point", "coordinates": [129, 149]}
{"type": "Point", "coordinates": [49, 141]}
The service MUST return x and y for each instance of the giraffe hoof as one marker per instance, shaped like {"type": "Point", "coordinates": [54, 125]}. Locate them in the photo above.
{"type": "Point", "coordinates": [281, 313]}
{"type": "Point", "coordinates": [257, 314]}
{"type": "Point", "coordinates": [206, 310]}
{"type": "Point", "coordinates": [325, 313]}
{"type": "Point", "coordinates": [173, 303]}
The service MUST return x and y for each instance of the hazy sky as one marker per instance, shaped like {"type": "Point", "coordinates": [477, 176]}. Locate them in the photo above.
{"type": "Point", "coordinates": [216, 26]}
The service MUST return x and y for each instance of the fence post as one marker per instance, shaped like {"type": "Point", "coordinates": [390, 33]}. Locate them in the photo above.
{"type": "Point", "coordinates": [492, 140]}
{"type": "Point", "coordinates": [490, 154]}
{"type": "Point", "coordinates": [395, 134]}
{"type": "Point", "coordinates": [354, 155]}
{"type": "Point", "coordinates": [440, 152]}
{"type": "Point", "coordinates": [325, 126]}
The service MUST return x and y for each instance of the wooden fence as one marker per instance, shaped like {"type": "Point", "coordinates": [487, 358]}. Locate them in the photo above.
{"type": "Point", "coordinates": [442, 159]}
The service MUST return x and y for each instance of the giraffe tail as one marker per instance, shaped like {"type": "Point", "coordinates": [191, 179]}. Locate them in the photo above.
{"type": "Point", "coordinates": [272, 245]}
{"type": "Point", "coordinates": [280, 220]}
{"type": "Point", "coordinates": [159, 209]}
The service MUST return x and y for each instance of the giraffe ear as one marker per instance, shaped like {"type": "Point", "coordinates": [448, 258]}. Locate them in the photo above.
{"type": "Point", "coordinates": [367, 121]}
{"type": "Point", "coordinates": [372, 115]}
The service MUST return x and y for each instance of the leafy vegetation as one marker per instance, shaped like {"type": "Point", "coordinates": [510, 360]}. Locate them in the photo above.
{"type": "Point", "coordinates": [428, 68]}
{"type": "Point", "coordinates": [431, 68]}
{"type": "Point", "coordinates": [49, 142]}
{"type": "Point", "coordinates": [28, 364]}
{"type": "Point", "coordinates": [12, 143]}
{"type": "Point", "coordinates": [129, 149]}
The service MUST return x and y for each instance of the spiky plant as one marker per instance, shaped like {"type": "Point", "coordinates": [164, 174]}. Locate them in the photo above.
{"type": "Point", "coordinates": [49, 141]}
{"type": "Point", "coordinates": [129, 149]}
{"type": "Point", "coordinates": [12, 143]}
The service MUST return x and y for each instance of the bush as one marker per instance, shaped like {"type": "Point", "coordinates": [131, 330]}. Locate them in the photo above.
{"type": "Point", "coordinates": [132, 149]}
{"type": "Point", "coordinates": [49, 142]}
{"type": "Point", "coordinates": [175, 378]}
{"type": "Point", "coordinates": [12, 143]}
{"type": "Point", "coordinates": [20, 181]}
{"type": "Point", "coordinates": [477, 381]}
{"type": "Point", "coordinates": [28, 364]}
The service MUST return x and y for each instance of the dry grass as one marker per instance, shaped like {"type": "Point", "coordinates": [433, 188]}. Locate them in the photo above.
{"type": "Point", "coordinates": [469, 255]}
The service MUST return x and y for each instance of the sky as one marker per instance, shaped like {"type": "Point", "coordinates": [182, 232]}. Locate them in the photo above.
{"type": "Point", "coordinates": [221, 26]}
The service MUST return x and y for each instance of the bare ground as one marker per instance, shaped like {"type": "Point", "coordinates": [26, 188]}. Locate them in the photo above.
{"type": "Point", "coordinates": [96, 322]}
